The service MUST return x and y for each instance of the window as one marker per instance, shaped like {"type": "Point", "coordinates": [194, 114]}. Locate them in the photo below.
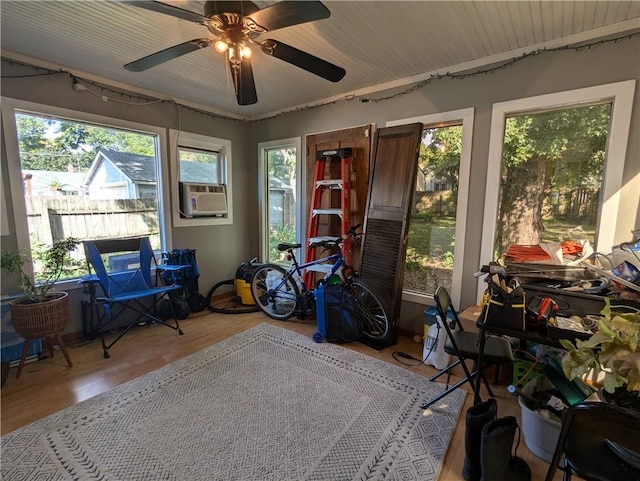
{"type": "Point", "coordinates": [198, 165]}
{"type": "Point", "coordinates": [574, 145]}
{"type": "Point", "coordinates": [281, 214]}
{"type": "Point", "coordinates": [66, 169]}
{"type": "Point", "coordinates": [437, 224]}
{"type": "Point", "coordinates": [201, 180]}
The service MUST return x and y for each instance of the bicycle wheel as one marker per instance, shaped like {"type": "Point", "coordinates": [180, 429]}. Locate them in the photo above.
{"type": "Point", "coordinates": [223, 298]}
{"type": "Point", "coordinates": [376, 322]}
{"type": "Point", "coordinates": [275, 296]}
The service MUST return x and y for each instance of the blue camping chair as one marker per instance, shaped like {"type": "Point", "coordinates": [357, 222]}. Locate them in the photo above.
{"type": "Point", "coordinates": [126, 291]}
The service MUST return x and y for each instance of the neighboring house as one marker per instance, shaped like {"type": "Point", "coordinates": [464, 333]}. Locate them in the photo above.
{"type": "Point", "coordinates": [426, 182]}
{"type": "Point", "coordinates": [122, 175]}
{"type": "Point", "coordinates": [281, 203]}
{"type": "Point", "coordinates": [46, 183]}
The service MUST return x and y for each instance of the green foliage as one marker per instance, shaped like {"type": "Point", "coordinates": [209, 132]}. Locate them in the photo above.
{"type": "Point", "coordinates": [277, 235]}
{"type": "Point", "coordinates": [424, 217]}
{"type": "Point", "coordinates": [448, 259]}
{"type": "Point", "coordinates": [53, 145]}
{"type": "Point", "coordinates": [613, 349]}
{"type": "Point", "coordinates": [440, 153]}
{"type": "Point", "coordinates": [572, 141]}
{"type": "Point", "coordinates": [53, 260]}
{"type": "Point", "coordinates": [282, 163]}
{"type": "Point", "coordinates": [413, 259]}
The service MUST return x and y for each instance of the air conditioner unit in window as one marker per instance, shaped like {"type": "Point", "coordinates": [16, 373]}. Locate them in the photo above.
{"type": "Point", "coordinates": [203, 199]}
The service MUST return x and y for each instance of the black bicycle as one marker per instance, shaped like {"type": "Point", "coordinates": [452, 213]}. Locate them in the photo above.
{"type": "Point", "coordinates": [280, 292]}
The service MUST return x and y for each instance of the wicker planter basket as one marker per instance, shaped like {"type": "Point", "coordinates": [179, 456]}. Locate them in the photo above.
{"type": "Point", "coordinates": [45, 319]}
{"type": "Point", "coordinates": [41, 319]}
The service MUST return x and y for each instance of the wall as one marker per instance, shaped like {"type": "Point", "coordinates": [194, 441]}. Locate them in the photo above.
{"type": "Point", "coordinates": [545, 73]}
{"type": "Point", "coordinates": [221, 249]}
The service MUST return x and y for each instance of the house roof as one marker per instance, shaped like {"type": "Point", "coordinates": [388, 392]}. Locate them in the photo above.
{"type": "Point", "coordinates": [138, 168]}
{"type": "Point", "coordinates": [41, 180]}
{"type": "Point", "coordinates": [141, 168]}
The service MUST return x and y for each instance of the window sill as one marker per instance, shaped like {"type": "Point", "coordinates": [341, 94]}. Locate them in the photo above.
{"type": "Point", "coordinates": [418, 298]}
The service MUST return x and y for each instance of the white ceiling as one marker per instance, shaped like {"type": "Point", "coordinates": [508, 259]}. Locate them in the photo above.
{"type": "Point", "coordinates": [381, 44]}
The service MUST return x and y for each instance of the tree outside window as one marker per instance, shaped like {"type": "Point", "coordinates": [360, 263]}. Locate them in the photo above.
{"type": "Point", "coordinates": [552, 168]}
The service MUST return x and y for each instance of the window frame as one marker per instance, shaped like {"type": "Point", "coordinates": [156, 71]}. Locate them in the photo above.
{"type": "Point", "coordinates": [465, 118]}
{"type": "Point", "coordinates": [620, 94]}
{"type": "Point", "coordinates": [187, 140]}
{"type": "Point", "coordinates": [263, 190]}
{"type": "Point", "coordinates": [8, 109]}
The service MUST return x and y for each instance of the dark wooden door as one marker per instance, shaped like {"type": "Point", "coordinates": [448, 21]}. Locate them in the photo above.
{"type": "Point", "coordinates": [359, 139]}
{"type": "Point", "coordinates": [391, 186]}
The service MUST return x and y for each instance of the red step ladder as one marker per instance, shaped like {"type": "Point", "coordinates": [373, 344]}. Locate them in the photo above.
{"type": "Point", "coordinates": [322, 206]}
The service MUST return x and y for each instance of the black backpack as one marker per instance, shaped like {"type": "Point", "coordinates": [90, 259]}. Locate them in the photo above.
{"type": "Point", "coordinates": [343, 323]}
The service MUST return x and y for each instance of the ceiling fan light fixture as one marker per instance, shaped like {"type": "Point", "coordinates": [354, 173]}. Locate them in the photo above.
{"type": "Point", "coordinates": [245, 52]}
{"type": "Point", "coordinates": [237, 51]}
{"type": "Point", "coordinates": [221, 46]}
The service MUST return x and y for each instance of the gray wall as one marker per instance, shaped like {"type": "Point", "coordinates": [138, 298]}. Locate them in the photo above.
{"type": "Point", "coordinates": [541, 74]}
{"type": "Point", "coordinates": [220, 249]}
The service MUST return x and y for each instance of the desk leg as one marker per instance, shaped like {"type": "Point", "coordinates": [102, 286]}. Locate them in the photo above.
{"type": "Point", "coordinates": [482, 340]}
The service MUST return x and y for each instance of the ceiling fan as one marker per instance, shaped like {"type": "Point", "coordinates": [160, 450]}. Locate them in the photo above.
{"type": "Point", "coordinates": [237, 26]}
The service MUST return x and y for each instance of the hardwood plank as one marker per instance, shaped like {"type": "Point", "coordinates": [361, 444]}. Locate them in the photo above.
{"type": "Point", "coordinates": [49, 385]}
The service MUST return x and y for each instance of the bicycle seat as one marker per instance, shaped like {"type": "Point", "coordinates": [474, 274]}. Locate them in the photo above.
{"type": "Point", "coordinates": [285, 246]}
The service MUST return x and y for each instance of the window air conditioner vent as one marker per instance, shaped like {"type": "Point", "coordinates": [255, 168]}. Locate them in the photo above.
{"type": "Point", "coordinates": [204, 199]}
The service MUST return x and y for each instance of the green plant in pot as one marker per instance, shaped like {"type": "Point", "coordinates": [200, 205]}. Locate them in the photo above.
{"type": "Point", "coordinates": [40, 312]}
{"type": "Point", "coordinates": [614, 352]}
{"type": "Point", "coordinates": [53, 259]}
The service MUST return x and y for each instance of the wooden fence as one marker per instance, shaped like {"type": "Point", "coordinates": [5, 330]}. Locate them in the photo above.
{"type": "Point", "coordinates": [51, 219]}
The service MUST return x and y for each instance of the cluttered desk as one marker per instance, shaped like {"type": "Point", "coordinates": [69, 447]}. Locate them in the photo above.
{"type": "Point", "coordinates": [544, 304]}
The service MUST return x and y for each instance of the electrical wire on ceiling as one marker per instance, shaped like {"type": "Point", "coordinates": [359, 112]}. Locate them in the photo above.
{"type": "Point", "coordinates": [145, 100]}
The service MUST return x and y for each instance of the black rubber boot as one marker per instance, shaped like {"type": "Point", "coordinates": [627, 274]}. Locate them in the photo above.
{"type": "Point", "coordinates": [498, 464]}
{"type": "Point", "coordinates": [477, 417]}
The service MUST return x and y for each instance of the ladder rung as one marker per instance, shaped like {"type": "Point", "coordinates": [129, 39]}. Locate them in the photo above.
{"type": "Point", "coordinates": [327, 211]}
{"type": "Point", "coordinates": [329, 182]}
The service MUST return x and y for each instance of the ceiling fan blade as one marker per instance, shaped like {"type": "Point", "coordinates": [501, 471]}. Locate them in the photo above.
{"type": "Point", "coordinates": [168, 10]}
{"type": "Point", "coordinates": [167, 54]}
{"type": "Point", "coordinates": [304, 60]}
{"type": "Point", "coordinates": [285, 14]}
{"type": "Point", "coordinates": [243, 82]}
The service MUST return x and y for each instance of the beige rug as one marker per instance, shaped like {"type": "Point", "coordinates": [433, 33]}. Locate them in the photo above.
{"type": "Point", "coordinates": [266, 404]}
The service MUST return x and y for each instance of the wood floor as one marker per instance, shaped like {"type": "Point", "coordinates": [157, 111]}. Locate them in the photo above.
{"type": "Point", "coordinates": [49, 385]}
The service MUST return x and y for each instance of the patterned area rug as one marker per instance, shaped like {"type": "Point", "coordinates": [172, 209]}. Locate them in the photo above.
{"type": "Point", "coordinates": [266, 404]}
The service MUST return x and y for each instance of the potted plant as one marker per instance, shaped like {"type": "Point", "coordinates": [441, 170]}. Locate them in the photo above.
{"type": "Point", "coordinates": [613, 354]}
{"type": "Point", "coordinates": [40, 312]}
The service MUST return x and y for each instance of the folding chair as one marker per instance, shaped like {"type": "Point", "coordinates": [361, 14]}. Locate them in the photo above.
{"type": "Point", "coordinates": [600, 442]}
{"type": "Point", "coordinates": [125, 291]}
{"type": "Point", "coordinates": [463, 346]}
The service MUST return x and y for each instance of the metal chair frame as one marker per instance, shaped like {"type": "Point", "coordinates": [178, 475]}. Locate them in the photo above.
{"type": "Point", "coordinates": [587, 429]}
{"type": "Point", "coordinates": [123, 291]}
{"type": "Point", "coordinates": [498, 350]}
